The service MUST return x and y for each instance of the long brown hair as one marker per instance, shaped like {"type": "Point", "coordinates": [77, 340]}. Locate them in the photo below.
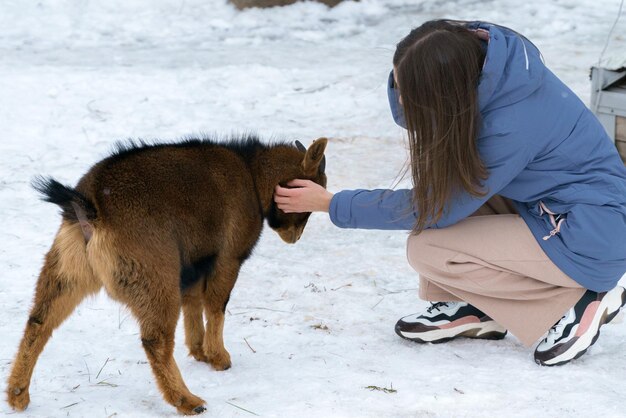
{"type": "Point", "coordinates": [437, 68]}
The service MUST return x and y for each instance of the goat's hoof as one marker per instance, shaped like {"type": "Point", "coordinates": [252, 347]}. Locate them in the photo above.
{"type": "Point", "coordinates": [220, 361]}
{"type": "Point", "coordinates": [199, 409]}
{"type": "Point", "coordinates": [191, 405]}
{"type": "Point", "coordinates": [18, 398]}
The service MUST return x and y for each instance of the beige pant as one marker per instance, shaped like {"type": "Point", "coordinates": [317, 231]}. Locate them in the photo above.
{"type": "Point", "coordinates": [492, 261]}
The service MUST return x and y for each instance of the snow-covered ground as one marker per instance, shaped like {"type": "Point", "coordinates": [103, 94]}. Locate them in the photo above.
{"type": "Point", "coordinates": [310, 326]}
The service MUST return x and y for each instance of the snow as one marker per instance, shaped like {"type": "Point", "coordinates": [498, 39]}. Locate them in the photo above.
{"type": "Point", "coordinates": [319, 315]}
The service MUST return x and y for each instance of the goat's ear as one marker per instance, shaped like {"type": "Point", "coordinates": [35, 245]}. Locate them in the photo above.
{"type": "Point", "coordinates": [314, 159]}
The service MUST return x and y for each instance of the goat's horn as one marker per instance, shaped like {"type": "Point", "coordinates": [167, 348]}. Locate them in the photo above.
{"type": "Point", "coordinates": [300, 146]}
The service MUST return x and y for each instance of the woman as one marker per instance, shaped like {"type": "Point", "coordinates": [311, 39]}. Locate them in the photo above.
{"type": "Point", "coordinates": [518, 210]}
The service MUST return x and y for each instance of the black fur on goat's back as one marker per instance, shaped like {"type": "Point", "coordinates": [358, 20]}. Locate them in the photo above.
{"type": "Point", "coordinates": [246, 145]}
{"type": "Point", "coordinates": [64, 196]}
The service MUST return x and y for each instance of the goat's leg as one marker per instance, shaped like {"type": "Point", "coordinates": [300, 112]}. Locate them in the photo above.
{"type": "Point", "coordinates": [216, 298]}
{"type": "Point", "coordinates": [157, 338]}
{"type": "Point", "coordinates": [194, 324]}
{"type": "Point", "coordinates": [150, 288]}
{"type": "Point", "coordinates": [65, 280]}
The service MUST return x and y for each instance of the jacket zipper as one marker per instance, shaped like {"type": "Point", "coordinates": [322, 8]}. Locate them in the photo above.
{"type": "Point", "coordinates": [555, 219]}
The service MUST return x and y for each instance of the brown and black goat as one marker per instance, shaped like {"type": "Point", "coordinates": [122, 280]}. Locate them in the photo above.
{"type": "Point", "coordinates": [161, 227]}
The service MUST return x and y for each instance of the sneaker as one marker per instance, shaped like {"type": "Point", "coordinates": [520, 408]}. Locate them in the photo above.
{"type": "Point", "coordinates": [579, 328]}
{"type": "Point", "coordinates": [443, 321]}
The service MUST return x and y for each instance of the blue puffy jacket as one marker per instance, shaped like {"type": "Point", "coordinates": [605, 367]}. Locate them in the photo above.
{"type": "Point", "coordinates": [544, 150]}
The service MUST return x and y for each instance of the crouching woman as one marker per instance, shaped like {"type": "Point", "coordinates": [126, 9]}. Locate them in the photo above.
{"type": "Point", "coordinates": [518, 206]}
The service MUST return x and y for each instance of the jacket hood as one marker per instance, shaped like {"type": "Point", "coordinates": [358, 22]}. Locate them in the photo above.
{"type": "Point", "coordinates": [512, 71]}
{"type": "Point", "coordinates": [513, 68]}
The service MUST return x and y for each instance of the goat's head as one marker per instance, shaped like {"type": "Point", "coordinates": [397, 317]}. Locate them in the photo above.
{"type": "Point", "coordinates": [290, 226]}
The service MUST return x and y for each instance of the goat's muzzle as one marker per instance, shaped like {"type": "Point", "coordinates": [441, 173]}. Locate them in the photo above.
{"type": "Point", "coordinates": [291, 235]}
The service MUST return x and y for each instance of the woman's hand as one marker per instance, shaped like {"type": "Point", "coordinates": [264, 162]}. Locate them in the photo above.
{"type": "Point", "coordinates": [304, 196]}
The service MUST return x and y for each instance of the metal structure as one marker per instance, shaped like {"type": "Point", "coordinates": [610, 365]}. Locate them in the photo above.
{"type": "Point", "coordinates": [608, 99]}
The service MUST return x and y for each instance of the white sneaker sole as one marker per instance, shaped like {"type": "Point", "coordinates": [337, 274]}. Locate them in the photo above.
{"type": "Point", "coordinates": [608, 309]}
{"type": "Point", "coordinates": [485, 330]}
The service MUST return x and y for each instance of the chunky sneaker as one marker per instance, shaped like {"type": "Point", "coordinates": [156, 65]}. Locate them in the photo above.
{"type": "Point", "coordinates": [443, 321]}
{"type": "Point", "coordinates": [579, 328]}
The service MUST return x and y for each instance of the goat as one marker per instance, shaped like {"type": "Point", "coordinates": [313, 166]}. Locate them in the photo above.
{"type": "Point", "coordinates": [160, 227]}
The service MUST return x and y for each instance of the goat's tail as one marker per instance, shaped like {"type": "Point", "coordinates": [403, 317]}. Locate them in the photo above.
{"type": "Point", "coordinates": [75, 206]}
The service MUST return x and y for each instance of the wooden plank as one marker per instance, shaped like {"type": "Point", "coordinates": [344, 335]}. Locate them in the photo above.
{"type": "Point", "coordinates": [620, 128]}
{"type": "Point", "coordinates": [620, 136]}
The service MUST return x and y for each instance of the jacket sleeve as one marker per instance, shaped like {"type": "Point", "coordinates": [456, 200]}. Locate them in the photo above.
{"type": "Point", "coordinates": [504, 156]}
{"type": "Point", "coordinates": [373, 209]}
